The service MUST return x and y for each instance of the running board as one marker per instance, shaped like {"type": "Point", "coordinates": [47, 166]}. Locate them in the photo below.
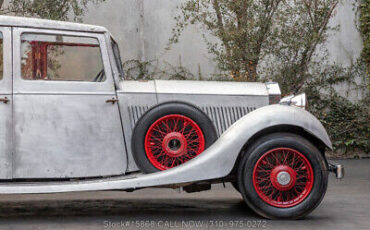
{"type": "Point", "coordinates": [129, 182]}
{"type": "Point", "coordinates": [204, 167]}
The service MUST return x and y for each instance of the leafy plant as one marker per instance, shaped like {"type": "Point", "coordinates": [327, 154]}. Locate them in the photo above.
{"type": "Point", "coordinates": [346, 121]}
{"type": "Point", "coordinates": [364, 27]}
{"type": "Point", "coordinates": [49, 9]}
{"type": "Point", "coordinates": [246, 33]}
{"type": "Point", "coordinates": [148, 70]}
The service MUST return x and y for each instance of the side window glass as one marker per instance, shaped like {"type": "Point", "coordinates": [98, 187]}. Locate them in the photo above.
{"type": "Point", "coordinates": [1, 57]}
{"type": "Point", "coordinates": [61, 58]}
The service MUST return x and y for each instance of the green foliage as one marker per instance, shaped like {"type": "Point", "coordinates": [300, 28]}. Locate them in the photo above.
{"type": "Point", "coordinates": [48, 9]}
{"type": "Point", "coordinates": [249, 32]}
{"type": "Point", "coordinates": [347, 122]}
{"type": "Point", "coordinates": [364, 21]}
{"type": "Point", "coordinates": [242, 28]}
{"type": "Point", "coordinates": [137, 70]}
{"type": "Point", "coordinates": [148, 70]}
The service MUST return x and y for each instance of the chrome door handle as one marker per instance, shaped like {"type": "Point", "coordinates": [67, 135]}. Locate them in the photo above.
{"type": "Point", "coordinates": [5, 100]}
{"type": "Point", "coordinates": [113, 100]}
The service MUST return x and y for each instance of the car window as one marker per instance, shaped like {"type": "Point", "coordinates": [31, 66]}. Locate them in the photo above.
{"type": "Point", "coordinates": [61, 58]}
{"type": "Point", "coordinates": [1, 57]}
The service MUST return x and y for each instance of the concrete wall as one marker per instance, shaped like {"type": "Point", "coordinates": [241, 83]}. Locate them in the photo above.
{"type": "Point", "coordinates": [143, 27]}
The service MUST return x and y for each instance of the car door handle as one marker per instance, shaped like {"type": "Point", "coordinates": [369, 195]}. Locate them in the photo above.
{"type": "Point", "coordinates": [113, 101]}
{"type": "Point", "coordinates": [5, 100]}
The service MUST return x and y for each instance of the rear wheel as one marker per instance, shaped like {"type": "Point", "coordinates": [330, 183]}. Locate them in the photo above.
{"type": "Point", "coordinates": [283, 176]}
{"type": "Point", "coordinates": [169, 135]}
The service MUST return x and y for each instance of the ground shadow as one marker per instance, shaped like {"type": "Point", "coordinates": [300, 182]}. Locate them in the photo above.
{"type": "Point", "coordinates": [174, 209]}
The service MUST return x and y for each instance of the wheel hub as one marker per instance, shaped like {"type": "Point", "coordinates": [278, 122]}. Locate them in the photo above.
{"type": "Point", "coordinates": [174, 144]}
{"type": "Point", "coordinates": [283, 177]}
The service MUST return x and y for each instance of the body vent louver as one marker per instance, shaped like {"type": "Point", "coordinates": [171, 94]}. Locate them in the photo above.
{"type": "Point", "coordinates": [222, 116]}
{"type": "Point", "coordinates": [135, 112]}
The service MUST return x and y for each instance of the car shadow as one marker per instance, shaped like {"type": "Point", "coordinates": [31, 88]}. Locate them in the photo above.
{"type": "Point", "coordinates": [172, 209]}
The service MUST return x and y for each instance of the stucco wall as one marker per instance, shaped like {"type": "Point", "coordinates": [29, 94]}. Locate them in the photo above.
{"type": "Point", "coordinates": [143, 27]}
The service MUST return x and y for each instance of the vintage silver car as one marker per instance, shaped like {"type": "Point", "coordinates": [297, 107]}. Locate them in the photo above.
{"type": "Point", "coordinates": [69, 121]}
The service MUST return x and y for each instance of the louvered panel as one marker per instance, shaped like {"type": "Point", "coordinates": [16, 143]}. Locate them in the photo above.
{"type": "Point", "coordinates": [135, 112]}
{"type": "Point", "coordinates": [224, 116]}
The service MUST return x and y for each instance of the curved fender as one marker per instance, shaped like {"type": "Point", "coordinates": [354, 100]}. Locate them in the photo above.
{"type": "Point", "coordinates": [219, 159]}
{"type": "Point", "coordinates": [215, 162]}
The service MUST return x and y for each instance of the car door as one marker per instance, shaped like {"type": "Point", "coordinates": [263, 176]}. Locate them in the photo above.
{"type": "Point", "coordinates": [5, 103]}
{"type": "Point", "coordinates": [66, 124]}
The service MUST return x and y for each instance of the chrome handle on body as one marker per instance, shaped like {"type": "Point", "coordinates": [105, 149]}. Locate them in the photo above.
{"type": "Point", "coordinates": [113, 100]}
{"type": "Point", "coordinates": [5, 100]}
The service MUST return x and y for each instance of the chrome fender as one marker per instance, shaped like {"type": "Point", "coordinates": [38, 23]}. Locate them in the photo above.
{"type": "Point", "coordinates": [215, 162]}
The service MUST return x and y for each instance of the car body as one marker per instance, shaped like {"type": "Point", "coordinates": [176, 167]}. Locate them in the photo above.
{"type": "Point", "coordinates": [62, 130]}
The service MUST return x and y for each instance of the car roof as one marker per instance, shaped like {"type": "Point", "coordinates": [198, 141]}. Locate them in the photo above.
{"type": "Point", "coordinates": [48, 24]}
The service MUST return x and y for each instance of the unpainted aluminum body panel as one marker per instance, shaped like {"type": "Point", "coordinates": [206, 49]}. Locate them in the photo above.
{"type": "Point", "coordinates": [132, 107]}
{"type": "Point", "coordinates": [6, 117]}
{"type": "Point", "coordinates": [194, 87]}
{"type": "Point", "coordinates": [273, 88]}
{"type": "Point", "coordinates": [223, 110]}
{"type": "Point", "coordinates": [215, 162]}
{"type": "Point", "coordinates": [210, 87]}
{"type": "Point", "coordinates": [6, 144]}
{"type": "Point", "coordinates": [65, 129]}
{"type": "Point", "coordinates": [67, 136]}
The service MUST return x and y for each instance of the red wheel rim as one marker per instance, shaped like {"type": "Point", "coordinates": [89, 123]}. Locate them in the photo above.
{"type": "Point", "coordinates": [173, 140]}
{"type": "Point", "coordinates": [283, 177]}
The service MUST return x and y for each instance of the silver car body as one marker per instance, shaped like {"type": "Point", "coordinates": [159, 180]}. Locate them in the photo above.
{"type": "Point", "coordinates": [66, 130]}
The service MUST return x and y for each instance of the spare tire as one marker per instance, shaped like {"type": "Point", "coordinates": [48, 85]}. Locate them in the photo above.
{"type": "Point", "coordinates": [169, 135]}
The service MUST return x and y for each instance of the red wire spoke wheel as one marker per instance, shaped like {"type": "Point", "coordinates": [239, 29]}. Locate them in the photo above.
{"type": "Point", "coordinates": [173, 140]}
{"type": "Point", "coordinates": [283, 177]}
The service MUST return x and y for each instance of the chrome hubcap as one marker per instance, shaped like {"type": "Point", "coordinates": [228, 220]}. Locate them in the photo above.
{"type": "Point", "coordinates": [283, 178]}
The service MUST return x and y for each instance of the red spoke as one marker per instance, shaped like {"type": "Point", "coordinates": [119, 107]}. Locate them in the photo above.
{"type": "Point", "coordinates": [285, 157]}
{"type": "Point", "coordinates": [160, 131]}
{"type": "Point", "coordinates": [166, 125]}
{"type": "Point", "coordinates": [177, 121]}
{"type": "Point", "coordinates": [185, 124]}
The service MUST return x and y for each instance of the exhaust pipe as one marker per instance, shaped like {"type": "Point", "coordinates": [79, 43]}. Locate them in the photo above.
{"type": "Point", "coordinates": [337, 169]}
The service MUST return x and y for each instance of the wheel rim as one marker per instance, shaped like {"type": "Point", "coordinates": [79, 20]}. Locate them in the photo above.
{"type": "Point", "coordinates": [173, 140]}
{"type": "Point", "coordinates": [283, 177]}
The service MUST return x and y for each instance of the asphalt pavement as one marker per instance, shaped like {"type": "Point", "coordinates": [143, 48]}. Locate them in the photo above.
{"type": "Point", "coordinates": [345, 206]}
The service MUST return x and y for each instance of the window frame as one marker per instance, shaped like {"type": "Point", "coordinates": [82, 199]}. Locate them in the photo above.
{"type": "Point", "coordinates": [63, 44]}
{"type": "Point", "coordinates": [55, 87]}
